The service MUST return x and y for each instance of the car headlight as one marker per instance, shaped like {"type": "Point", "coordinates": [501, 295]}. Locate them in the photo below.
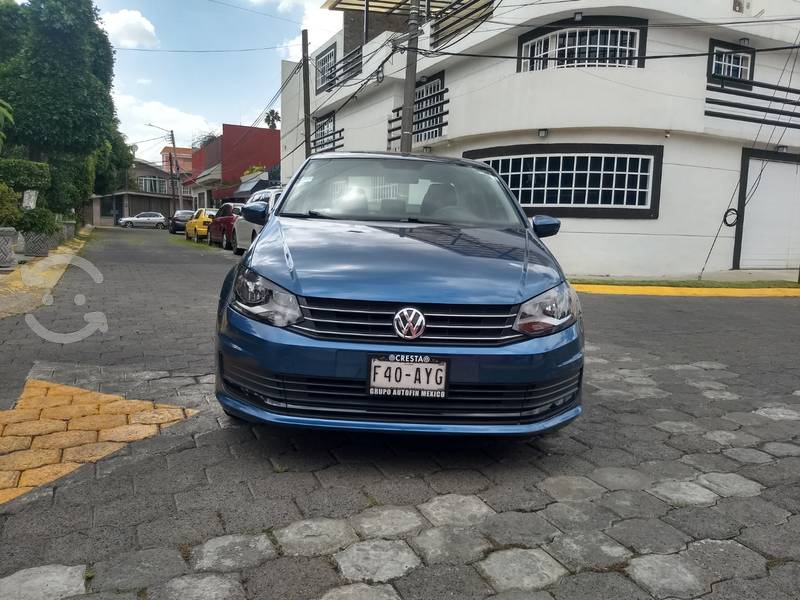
{"type": "Point", "coordinates": [552, 311]}
{"type": "Point", "coordinates": [260, 298]}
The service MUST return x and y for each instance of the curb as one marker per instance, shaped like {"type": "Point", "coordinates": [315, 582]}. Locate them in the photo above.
{"type": "Point", "coordinates": [687, 292]}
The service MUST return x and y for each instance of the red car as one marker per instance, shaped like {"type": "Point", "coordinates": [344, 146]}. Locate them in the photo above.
{"type": "Point", "coordinates": [220, 230]}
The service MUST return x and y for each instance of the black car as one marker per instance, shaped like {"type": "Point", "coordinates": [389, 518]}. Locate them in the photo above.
{"type": "Point", "coordinates": [177, 222]}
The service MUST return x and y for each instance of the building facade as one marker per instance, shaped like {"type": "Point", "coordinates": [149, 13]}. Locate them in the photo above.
{"type": "Point", "coordinates": [147, 190]}
{"type": "Point", "coordinates": [183, 162]}
{"type": "Point", "coordinates": [663, 134]}
{"type": "Point", "coordinates": [218, 166]}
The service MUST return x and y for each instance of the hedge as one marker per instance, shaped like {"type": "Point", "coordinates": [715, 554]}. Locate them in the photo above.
{"type": "Point", "coordinates": [24, 174]}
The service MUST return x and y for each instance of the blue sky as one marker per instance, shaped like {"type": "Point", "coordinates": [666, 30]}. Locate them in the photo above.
{"type": "Point", "coordinates": [192, 92]}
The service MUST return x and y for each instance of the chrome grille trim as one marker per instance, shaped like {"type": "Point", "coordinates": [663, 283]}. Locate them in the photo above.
{"type": "Point", "coordinates": [362, 321]}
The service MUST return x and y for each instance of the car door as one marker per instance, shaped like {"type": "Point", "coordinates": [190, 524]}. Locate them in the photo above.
{"type": "Point", "coordinates": [139, 220]}
{"type": "Point", "coordinates": [218, 223]}
{"type": "Point", "coordinates": [191, 224]}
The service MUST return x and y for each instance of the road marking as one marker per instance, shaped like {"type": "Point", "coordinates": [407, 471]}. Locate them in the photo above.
{"type": "Point", "coordinates": [658, 290]}
{"type": "Point", "coordinates": [53, 429]}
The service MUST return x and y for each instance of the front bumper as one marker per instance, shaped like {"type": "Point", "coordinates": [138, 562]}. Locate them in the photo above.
{"type": "Point", "coordinates": [274, 375]}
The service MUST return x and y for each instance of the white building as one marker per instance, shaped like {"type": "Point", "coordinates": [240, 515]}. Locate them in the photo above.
{"type": "Point", "coordinates": [640, 156]}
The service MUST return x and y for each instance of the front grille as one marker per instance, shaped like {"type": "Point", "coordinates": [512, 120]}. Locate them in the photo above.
{"type": "Point", "coordinates": [446, 324]}
{"type": "Point", "coordinates": [336, 398]}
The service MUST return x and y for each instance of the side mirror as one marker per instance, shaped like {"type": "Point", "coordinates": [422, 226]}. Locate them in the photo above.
{"type": "Point", "coordinates": [544, 226]}
{"type": "Point", "coordinates": [256, 212]}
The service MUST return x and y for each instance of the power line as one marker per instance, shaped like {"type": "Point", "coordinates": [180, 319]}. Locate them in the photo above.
{"type": "Point", "coordinates": [201, 51]}
{"type": "Point", "coordinates": [253, 11]}
{"type": "Point", "coordinates": [430, 53]}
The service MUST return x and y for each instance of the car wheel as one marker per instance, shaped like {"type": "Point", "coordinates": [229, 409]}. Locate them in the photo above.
{"type": "Point", "coordinates": [196, 237]}
{"type": "Point", "coordinates": [128, 224]}
{"type": "Point", "coordinates": [224, 243]}
{"type": "Point", "coordinates": [159, 226]}
{"type": "Point", "coordinates": [236, 250]}
{"type": "Point", "coordinates": [208, 237]}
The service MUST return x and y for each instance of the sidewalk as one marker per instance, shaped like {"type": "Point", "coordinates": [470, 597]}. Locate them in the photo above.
{"type": "Point", "coordinates": [18, 296]}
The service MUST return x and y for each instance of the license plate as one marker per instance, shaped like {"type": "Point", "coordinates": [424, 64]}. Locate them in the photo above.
{"type": "Point", "coordinates": [407, 375]}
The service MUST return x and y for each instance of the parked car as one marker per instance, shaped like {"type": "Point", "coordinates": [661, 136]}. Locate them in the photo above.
{"type": "Point", "coordinates": [145, 219]}
{"type": "Point", "coordinates": [177, 222]}
{"type": "Point", "coordinates": [197, 226]}
{"type": "Point", "coordinates": [400, 293]}
{"type": "Point", "coordinates": [221, 229]}
{"type": "Point", "coordinates": [244, 232]}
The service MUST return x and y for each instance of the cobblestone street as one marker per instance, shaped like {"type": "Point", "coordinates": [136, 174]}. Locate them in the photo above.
{"type": "Point", "coordinates": [680, 480]}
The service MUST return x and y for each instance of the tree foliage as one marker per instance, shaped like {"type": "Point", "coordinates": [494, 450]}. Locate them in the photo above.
{"type": "Point", "coordinates": [272, 118]}
{"type": "Point", "coordinates": [22, 174]}
{"type": "Point", "coordinates": [6, 116]}
{"type": "Point", "coordinates": [9, 206]}
{"type": "Point", "coordinates": [61, 105]}
{"type": "Point", "coordinates": [13, 26]}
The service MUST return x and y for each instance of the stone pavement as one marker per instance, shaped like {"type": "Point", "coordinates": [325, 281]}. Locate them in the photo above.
{"type": "Point", "coordinates": [681, 479]}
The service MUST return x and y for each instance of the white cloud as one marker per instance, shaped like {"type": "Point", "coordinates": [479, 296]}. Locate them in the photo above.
{"type": "Point", "coordinates": [134, 113]}
{"type": "Point", "coordinates": [144, 81]}
{"type": "Point", "coordinates": [129, 29]}
{"type": "Point", "coordinates": [321, 24]}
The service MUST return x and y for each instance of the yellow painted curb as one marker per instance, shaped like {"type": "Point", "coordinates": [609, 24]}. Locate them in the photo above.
{"type": "Point", "coordinates": [55, 429]}
{"type": "Point", "coordinates": [17, 298]}
{"type": "Point", "coordinates": [658, 290]}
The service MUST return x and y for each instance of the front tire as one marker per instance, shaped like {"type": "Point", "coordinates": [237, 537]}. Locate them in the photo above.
{"type": "Point", "coordinates": [159, 226]}
{"type": "Point", "coordinates": [226, 244]}
{"type": "Point", "coordinates": [129, 225]}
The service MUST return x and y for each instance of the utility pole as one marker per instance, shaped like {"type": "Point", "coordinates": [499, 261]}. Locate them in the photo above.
{"type": "Point", "coordinates": [407, 120]}
{"type": "Point", "coordinates": [177, 181]}
{"type": "Point", "coordinates": [306, 96]}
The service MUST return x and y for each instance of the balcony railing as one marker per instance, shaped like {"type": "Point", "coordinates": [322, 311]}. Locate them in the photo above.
{"type": "Point", "coordinates": [345, 68]}
{"type": "Point", "coordinates": [429, 121]}
{"type": "Point", "coordinates": [327, 142]}
{"type": "Point", "coordinates": [764, 108]}
{"type": "Point", "coordinates": [460, 17]}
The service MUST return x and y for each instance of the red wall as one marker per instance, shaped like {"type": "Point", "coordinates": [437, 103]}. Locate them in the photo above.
{"type": "Point", "coordinates": [244, 147]}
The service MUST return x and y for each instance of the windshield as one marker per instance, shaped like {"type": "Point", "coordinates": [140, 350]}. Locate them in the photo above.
{"type": "Point", "coordinates": [211, 212]}
{"type": "Point", "coordinates": [183, 213]}
{"type": "Point", "coordinates": [390, 189]}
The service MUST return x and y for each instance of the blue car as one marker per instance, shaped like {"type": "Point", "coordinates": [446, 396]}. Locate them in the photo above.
{"type": "Point", "coordinates": [400, 293]}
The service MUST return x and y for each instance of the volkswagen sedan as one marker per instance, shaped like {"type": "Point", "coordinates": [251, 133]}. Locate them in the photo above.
{"type": "Point", "coordinates": [400, 293]}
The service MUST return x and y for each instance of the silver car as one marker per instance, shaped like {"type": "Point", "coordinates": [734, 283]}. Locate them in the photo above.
{"type": "Point", "coordinates": [145, 219]}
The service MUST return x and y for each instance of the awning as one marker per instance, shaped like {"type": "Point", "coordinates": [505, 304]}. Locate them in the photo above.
{"type": "Point", "coordinates": [246, 189]}
{"type": "Point", "coordinates": [389, 6]}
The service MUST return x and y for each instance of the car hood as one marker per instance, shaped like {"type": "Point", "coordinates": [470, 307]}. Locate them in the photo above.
{"type": "Point", "coordinates": [403, 262]}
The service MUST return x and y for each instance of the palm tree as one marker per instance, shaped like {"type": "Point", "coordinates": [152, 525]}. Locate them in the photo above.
{"type": "Point", "coordinates": [5, 116]}
{"type": "Point", "coordinates": [272, 118]}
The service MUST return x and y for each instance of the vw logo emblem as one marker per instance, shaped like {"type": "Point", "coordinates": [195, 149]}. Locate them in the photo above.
{"type": "Point", "coordinates": [409, 323]}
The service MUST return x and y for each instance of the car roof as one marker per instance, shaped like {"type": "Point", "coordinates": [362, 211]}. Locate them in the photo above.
{"type": "Point", "coordinates": [466, 162]}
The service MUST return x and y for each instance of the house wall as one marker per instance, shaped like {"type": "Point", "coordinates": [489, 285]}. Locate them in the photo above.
{"type": "Point", "coordinates": [243, 147]}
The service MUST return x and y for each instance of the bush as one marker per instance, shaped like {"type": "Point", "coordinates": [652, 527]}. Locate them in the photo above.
{"type": "Point", "coordinates": [9, 206]}
{"type": "Point", "coordinates": [38, 220]}
{"type": "Point", "coordinates": [24, 174]}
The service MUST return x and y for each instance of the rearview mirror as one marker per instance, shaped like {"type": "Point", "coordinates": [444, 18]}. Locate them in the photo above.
{"type": "Point", "coordinates": [544, 226]}
{"type": "Point", "coordinates": [256, 212]}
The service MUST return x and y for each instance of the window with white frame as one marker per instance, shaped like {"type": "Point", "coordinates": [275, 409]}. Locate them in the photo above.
{"type": "Point", "coordinates": [152, 184]}
{"type": "Point", "coordinates": [325, 63]}
{"type": "Point", "coordinates": [428, 109]}
{"type": "Point", "coordinates": [582, 47]}
{"type": "Point", "coordinates": [730, 60]}
{"type": "Point", "coordinates": [605, 181]}
{"type": "Point", "coordinates": [324, 138]}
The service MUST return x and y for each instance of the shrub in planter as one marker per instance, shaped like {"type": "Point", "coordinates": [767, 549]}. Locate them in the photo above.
{"type": "Point", "coordinates": [9, 216]}
{"type": "Point", "coordinates": [37, 225]}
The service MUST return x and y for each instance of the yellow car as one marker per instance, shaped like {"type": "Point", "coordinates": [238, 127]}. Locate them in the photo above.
{"type": "Point", "coordinates": [197, 226]}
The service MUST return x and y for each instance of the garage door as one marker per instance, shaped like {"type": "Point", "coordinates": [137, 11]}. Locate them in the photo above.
{"type": "Point", "coordinates": [771, 235]}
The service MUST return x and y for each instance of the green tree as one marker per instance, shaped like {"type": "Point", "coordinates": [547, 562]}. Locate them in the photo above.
{"type": "Point", "coordinates": [13, 27]}
{"type": "Point", "coordinates": [59, 89]}
{"type": "Point", "coordinates": [272, 118]}
{"type": "Point", "coordinates": [114, 159]}
{"type": "Point", "coordinates": [6, 116]}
